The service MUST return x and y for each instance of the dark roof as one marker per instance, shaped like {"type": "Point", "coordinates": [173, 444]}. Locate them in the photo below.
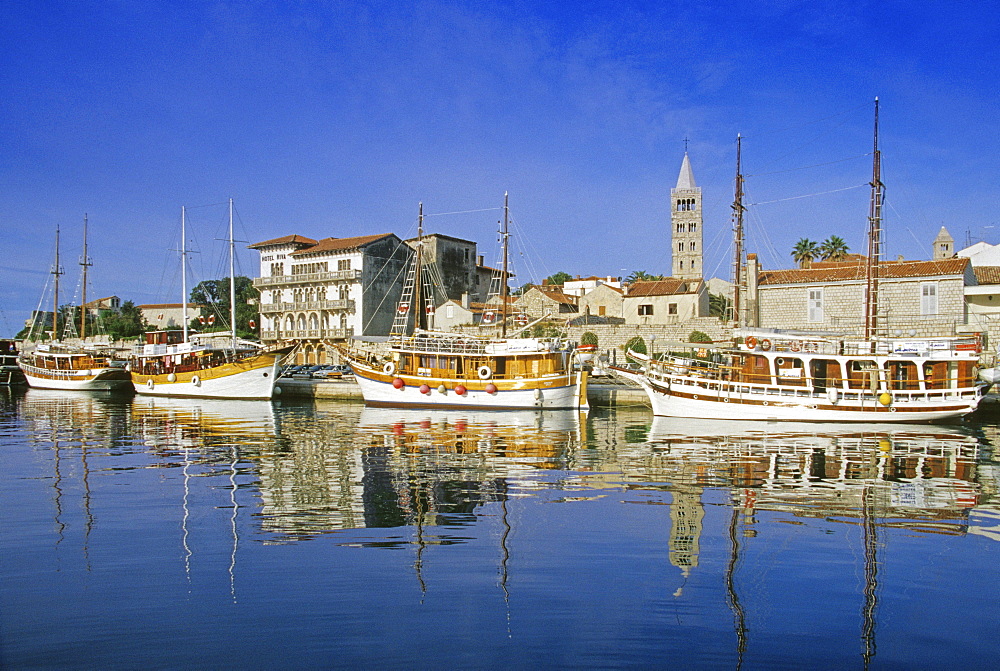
{"type": "Point", "coordinates": [293, 239]}
{"type": "Point", "coordinates": [666, 287]}
{"type": "Point", "coordinates": [845, 272]}
{"type": "Point", "coordinates": [341, 244]}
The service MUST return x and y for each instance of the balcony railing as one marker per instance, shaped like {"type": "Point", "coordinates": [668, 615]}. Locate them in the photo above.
{"type": "Point", "coordinates": [307, 334]}
{"type": "Point", "coordinates": [269, 308]}
{"type": "Point", "coordinates": [306, 278]}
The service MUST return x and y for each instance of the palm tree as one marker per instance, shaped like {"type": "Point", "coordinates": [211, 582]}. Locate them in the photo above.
{"type": "Point", "coordinates": [804, 251]}
{"type": "Point", "coordinates": [642, 276]}
{"type": "Point", "coordinates": [834, 249]}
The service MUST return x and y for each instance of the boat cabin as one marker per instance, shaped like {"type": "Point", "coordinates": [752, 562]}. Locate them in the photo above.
{"type": "Point", "coordinates": [170, 337]}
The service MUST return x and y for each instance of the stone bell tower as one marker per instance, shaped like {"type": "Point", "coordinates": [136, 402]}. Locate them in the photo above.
{"type": "Point", "coordinates": [686, 225]}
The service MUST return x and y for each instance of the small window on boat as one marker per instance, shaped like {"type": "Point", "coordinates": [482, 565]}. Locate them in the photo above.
{"type": "Point", "coordinates": [862, 374]}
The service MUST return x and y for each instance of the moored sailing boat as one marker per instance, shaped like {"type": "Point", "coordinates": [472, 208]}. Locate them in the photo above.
{"type": "Point", "coordinates": [785, 375]}
{"type": "Point", "coordinates": [176, 363]}
{"type": "Point", "coordinates": [60, 365]}
{"type": "Point", "coordinates": [436, 369]}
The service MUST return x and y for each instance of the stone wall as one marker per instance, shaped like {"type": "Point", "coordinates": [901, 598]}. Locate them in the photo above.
{"type": "Point", "coordinates": [615, 336]}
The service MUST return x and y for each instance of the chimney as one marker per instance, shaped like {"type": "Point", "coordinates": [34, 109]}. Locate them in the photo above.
{"type": "Point", "coordinates": [465, 300]}
{"type": "Point", "coordinates": [479, 260]}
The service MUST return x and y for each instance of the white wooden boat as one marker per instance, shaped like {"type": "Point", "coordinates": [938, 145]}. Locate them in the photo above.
{"type": "Point", "coordinates": [177, 363]}
{"type": "Point", "coordinates": [768, 374]}
{"type": "Point", "coordinates": [435, 369]}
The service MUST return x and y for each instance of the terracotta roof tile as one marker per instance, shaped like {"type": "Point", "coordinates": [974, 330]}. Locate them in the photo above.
{"type": "Point", "coordinates": [987, 274]}
{"type": "Point", "coordinates": [667, 287]}
{"type": "Point", "coordinates": [340, 244]}
{"type": "Point", "coordinates": [298, 239]}
{"type": "Point", "coordinates": [846, 272]}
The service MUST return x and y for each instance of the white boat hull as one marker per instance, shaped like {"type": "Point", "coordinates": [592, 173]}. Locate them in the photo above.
{"type": "Point", "coordinates": [535, 395]}
{"type": "Point", "coordinates": [252, 383]}
{"type": "Point", "coordinates": [98, 379]}
{"type": "Point", "coordinates": [690, 399]}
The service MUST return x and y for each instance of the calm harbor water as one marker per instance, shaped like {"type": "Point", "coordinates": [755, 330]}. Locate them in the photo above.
{"type": "Point", "coordinates": [158, 533]}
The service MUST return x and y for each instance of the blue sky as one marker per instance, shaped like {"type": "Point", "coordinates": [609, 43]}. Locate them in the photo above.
{"type": "Point", "coordinates": [336, 119]}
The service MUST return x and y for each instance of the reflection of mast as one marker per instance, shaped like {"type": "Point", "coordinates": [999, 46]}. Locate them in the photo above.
{"type": "Point", "coordinates": [184, 520]}
{"type": "Point", "coordinates": [734, 600]}
{"type": "Point", "coordinates": [504, 555]}
{"type": "Point", "coordinates": [871, 576]}
{"type": "Point", "coordinates": [232, 500]}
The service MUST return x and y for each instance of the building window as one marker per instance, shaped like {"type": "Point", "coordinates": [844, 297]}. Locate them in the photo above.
{"type": "Point", "coordinates": [680, 228]}
{"type": "Point", "coordinates": [692, 228]}
{"type": "Point", "coordinates": [928, 298]}
{"type": "Point", "coordinates": [692, 246]}
{"type": "Point", "coordinates": [344, 264]}
{"type": "Point", "coordinates": [680, 246]}
{"type": "Point", "coordinates": [449, 311]}
{"type": "Point", "coordinates": [682, 265]}
{"type": "Point", "coordinates": [815, 305]}
{"type": "Point", "coordinates": [671, 308]}
{"type": "Point", "coordinates": [645, 310]}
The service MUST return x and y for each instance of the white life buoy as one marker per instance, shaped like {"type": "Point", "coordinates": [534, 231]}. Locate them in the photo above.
{"type": "Point", "coordinates": [196, 381]}
{"type": "Point", "coordinates": [149, 384]}
{"type": "Point", "coordinates": [484, 373]}
{"type": "Point", "coordinates": [389, 368]}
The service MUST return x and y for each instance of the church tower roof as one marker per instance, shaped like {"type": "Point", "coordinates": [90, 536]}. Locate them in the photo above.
{"type": "Point", "coordinates": [944, 235]}
{"type": "Point", "coordinates": [685, 180]}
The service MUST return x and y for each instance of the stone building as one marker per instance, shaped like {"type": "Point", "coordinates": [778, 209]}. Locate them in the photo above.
{"type": "Point", "coordinates": [320, 292]}
{"type": "Point", "coordinates": [916, 297]}
{"type": "Point", "coordinates": [546, 299]}
{"type": "Point", "coordinates": [603, 301]}
{"type": "Point", "coordinates": [456, 267]}
{"type": "Point", "coordinates": [161, 316]}
{"type": "Point", "coordinates": [668, 301]}
{"type": "Point", "coordinates": [686, 225]}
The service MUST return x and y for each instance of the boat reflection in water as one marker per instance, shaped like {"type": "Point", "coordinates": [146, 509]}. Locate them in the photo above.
{"type": "Point", "coordinates": [728, 541]}
{"type": "Point", "coordinates": [395, 467]}
{"type": "Point", "coordinates": [920, 478]}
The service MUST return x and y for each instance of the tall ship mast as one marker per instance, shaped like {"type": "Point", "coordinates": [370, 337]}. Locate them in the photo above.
{"type": "Point", "coordinates": [817, 377]}
{"type": "Point", "coordinates": [179, 363]}
{"type": "Point", "coordinates": [69, 365]}
{"type": "Point", "coordinates": [444, 369]}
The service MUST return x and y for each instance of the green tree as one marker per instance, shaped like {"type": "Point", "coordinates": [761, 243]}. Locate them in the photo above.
{"type": "Point", "coordinates": [719, 305]}
{"type": "Point", "coordinates": [804, 251]}
{"type": "Point", "coordinates": [559, 278]}
{"type": "Point", "coordinates": [834, 249]}
{"type": "Point", "coordinates": [642, 276]}
{"type": "Point", "coordinates": [126, 323]}
{"type": "Point", "coordinates": [589, 338]}
{"type": "Point", "coordinates": [699, 336]}
{"type": "Point", "coordinates": [636, 344]}
{"type": "Point", "coordinates": [214, 296]}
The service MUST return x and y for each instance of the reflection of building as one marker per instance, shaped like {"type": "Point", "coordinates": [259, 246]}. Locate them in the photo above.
{"type": "Point", "coordinates": [686, 514]}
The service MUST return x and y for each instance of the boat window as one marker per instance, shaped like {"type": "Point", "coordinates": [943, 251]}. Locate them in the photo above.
{"type": "Point", "coordinates": [862, 374]}
{"type": "Point", "coordinates": [826, 373]}
{"type": "Point", "coordinates": [903, 375]}
{"type": "Point", "coordinates": [789, 370]}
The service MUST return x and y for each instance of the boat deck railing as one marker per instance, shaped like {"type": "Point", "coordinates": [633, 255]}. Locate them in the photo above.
{"type": "Point", "coordinates": [700, 374]}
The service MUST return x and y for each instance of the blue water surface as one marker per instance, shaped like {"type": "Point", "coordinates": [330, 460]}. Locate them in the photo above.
{"type": "Point", "coordinates": [150, 533]}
